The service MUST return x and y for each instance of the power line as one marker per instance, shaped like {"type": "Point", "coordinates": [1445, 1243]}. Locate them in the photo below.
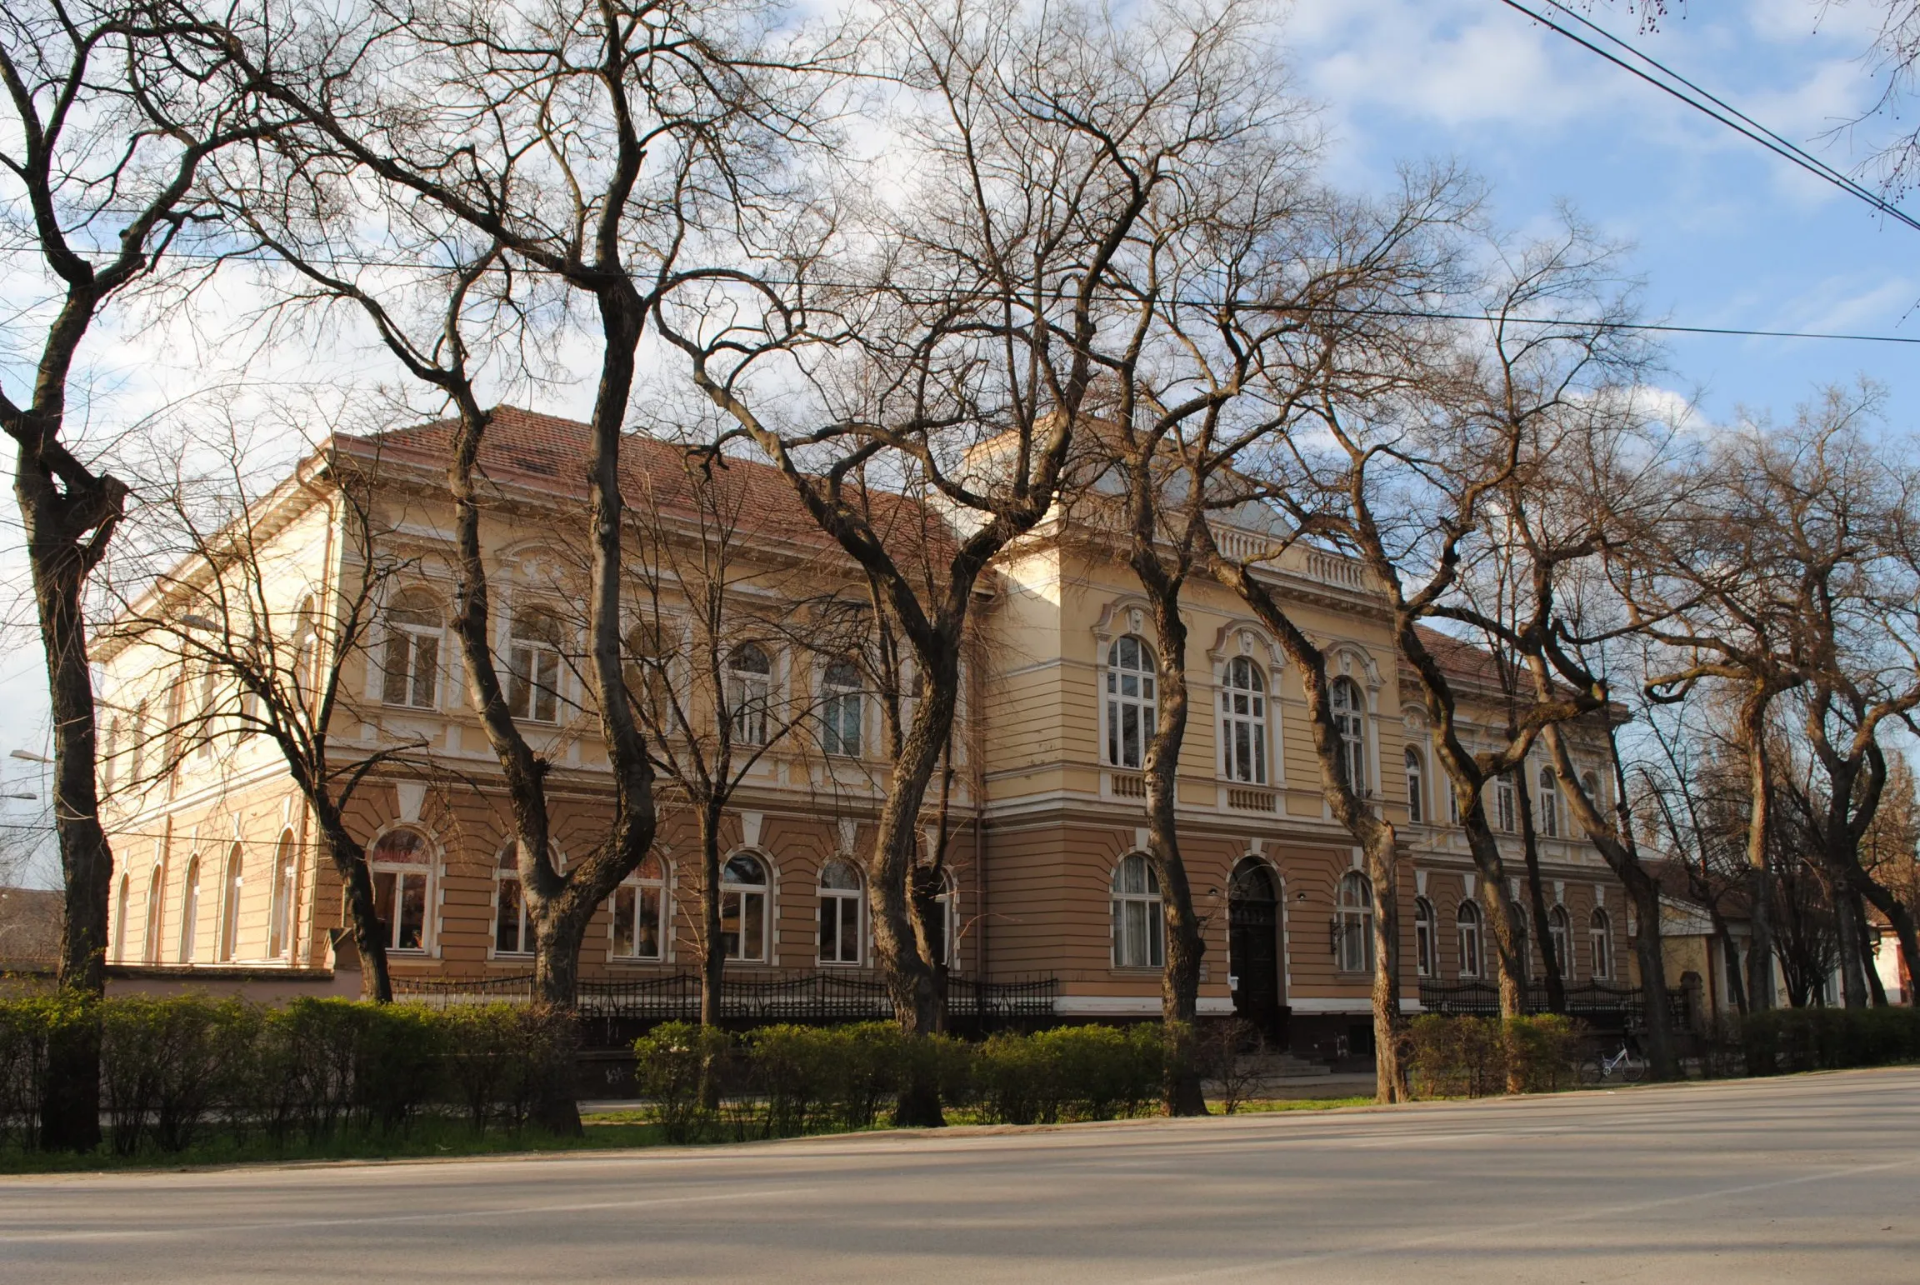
{"type": "Point", "coordinates": [1714, 107]}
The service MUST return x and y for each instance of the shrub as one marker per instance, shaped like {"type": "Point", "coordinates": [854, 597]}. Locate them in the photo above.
{"type": "Point", "coordinates": [1543, 1051]}
{"type": "Point", "coordinates": [673, 1063]}
{"type": "Point", "coordinates": [1070, 1073]}
{"type": "Point", "coordinates": [165, 1064]}
{"type": "Point", "coordinates": [1457, 1056]}
{"type": "Point", "coordinates": [1808, 1039]}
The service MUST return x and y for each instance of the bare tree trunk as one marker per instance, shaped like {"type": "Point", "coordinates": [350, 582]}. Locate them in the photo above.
{"type": "Point", "coordinates": [1389, 1062]}
{"type": "Point", "coordinates": [1753, 727]}
{"type": "Point", "coordinates": [1509, 941]}
{"type": "Point", "coordinates": [713, 953]}
{"type": "Point", "coordinates": [1537, 898]}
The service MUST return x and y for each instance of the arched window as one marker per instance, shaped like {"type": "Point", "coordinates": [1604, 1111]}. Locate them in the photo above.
{"type": "Point", "coordinates": [1353, 924]}
{"type": "Point", "coordinates": [512, 932]}
{"type": "Point", "coordinates": [230, 905]}
{"type": "Point", "coordinates": [206, 709]}
{"type": "Point", "coordinates": [401, 866]}
{"type": "Point", "coordinates": [189, 910]}
{"type": "Point", "coordinates": [1522, 939]}
{"type": "Point", "coordinates": [533, 666]}
{"type": "Point", "coordinates": [1426, 952]}
{"type": "Point", "coordinates": [121, 927]}
{"type": "Point", "coordinates": [1130, 702]}
{"type": "Point", "coordinates": [1590, 782]}
{"type": "Point", "coordinates": [414, 628]}
{"type": "Point", "coordinates": [1466, 922]}
{"type": "Point", "coordinates": [842, 709]}
{"type": "Point", "coordinates": [640, 912]}
{"type": "Point", "coordinates": [1243, 722]}
{"type": "Point", "coordinates": [743, 908]}
{"type": "Point", "coordinates": [110, 757]}
{"type": "Point", "coordinates": [137, 768]}
{"type": "Point", "coordinates": [156, 914]}
{"type": "Point", "coordinates": [1349, 723]}
{"type": "Point", "coordinates": [1600, 938]}
{"type": "Point", "coordinates": [1548, 819]}
{"type": "Point", "coordinates": [1504, 812]}
{"type": "Point", "coordinates": [1139, 931]}
{"type": "Point", "coordinates": [841, 922]}
{"type": "Point", "coordinates": [749, 687]}
{"type": "Point", "coordinates": [1416, 788]}
{"type": "Point", "coordinates": [280, 922]}
{"type": "Point", "coordinates": [1560, 940]}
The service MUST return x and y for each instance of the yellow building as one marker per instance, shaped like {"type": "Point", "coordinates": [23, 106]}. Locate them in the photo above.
{"type": "Point", "coordinates": [220, 869]}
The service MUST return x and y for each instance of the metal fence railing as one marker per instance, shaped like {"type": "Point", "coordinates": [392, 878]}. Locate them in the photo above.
{"type": "Point", "coordinates": [813, 996]}
{"type": "Point", "coordinates": [1592, 1000]}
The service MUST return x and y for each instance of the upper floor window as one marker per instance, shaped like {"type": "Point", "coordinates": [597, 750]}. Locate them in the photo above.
{"type": "Point", "coordinates": [1349, 710]}
{"type": "Point", "coordinates": [646, 674]}
{"type": "Point", "coordinates": [749, 686]}
{"type": "Point", "coordinates": [1139, 931]}
{"type": "Point", "coordinates": [306, 646]}
{"type": "Point", "coordinates": [1243, 722]}
{"type": "Point", "coordinates": [412, 662]}
{"type": "Point", "coordinates": [1560, 939]}
{"type": "Point", "coordinates": [842, 709]}
{"type": "Point", "coordinates": [639, 912]}
{"type": "Point", "coordinates": [1466, 922]}
{"type": "Point", "coordinates": [1130, 702]}
{"type": "Point", "coordinates": [1590, 782]}
{"type": "Point", "coordinates": [1426, 955]}
{"type": "Point", "coordinates": [841, 920]}
{"type": "Point", "coordinates": [1353, 924]}
{"type": "Point", "coordinates": [1503, 805]}
{"type": "Point", "coordinates": [1416, 788]}
{"type": "Point", "coordinates": [401, 867]}
{"type": "Point", "coordinates": [743, 908]}
{"type": "Point", "coordinates": [1549, 808]}
{"type": "Point", "coordinates": [1600, 939]}
{"type": "Point", "coordinates": [533, 666]}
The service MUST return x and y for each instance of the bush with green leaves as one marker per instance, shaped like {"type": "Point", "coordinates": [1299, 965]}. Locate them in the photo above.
{"type": "Point", "coordinates": [1475, 1056]}
{"type": "Point", "coordinates": [1815, 1039]}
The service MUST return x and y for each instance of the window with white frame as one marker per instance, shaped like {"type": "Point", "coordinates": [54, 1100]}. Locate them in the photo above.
{"type": "Point", "coordinates": [280, 917]}
{"type": "Point", "coordinates": [1560, 940]}
{"type": "Point", "coordinates": [648, 652]}
{"type": "Point", "coordinates": [1590, 782]}
{"type": "Point", "coordinates": [1416, 788]}
{"type": "Point", "coordinates": [1349, 709]}
{"type": "Point", "coordinates": [402, 867]}
{"type": "Point", "coordinates": [743, 908]}
{"type": "Point", "coordinates": [640, 912]}
{"type": "Point", "coordinates": [1504, 812]}
{"type": "Point", "coordinates": [512, 929]}
{"type": "Point", "coordinates": [1466, 923]}
{"type": "Point", "coordinates": [411, 664]}
{"type": "Point", "coordinates": [934, 890]}
{"type": "Point", "coordinates": [230, 905]}
{"type": "Point", "coordinates": [533, 666]}
{"type": "Point", "coordinates": [1243, 722]}
{"type": "Point", "coordinates": [749, 689]}
{"type": "Point", "coordinates": [1353, 924]}
{"type": "Point", "coordinates": [190, 911]}
{"type": "Point", "coordinates": [306, 646]}
{"type": "Point", "coordinates": [1139, 930]}
{"type": "Point", "coordinates": [1600, 943]}
{"type": "Point", "coordinates": [1548, 813]}
{"type": "Point", "coordinates": [1130, 702]}
{"type": "Point", "coordinates": [1426, 956]}
{"type": "Point", "coordinates": [843, 709]}
{"type": "Point", "coordinates": [842, 922]}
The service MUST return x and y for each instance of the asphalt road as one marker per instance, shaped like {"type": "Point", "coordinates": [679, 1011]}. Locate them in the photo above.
{"type": "Point", "coordinates": [1814, 1178]}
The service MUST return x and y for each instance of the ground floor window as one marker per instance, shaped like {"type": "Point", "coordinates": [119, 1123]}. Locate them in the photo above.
{"type": "Point", "coordinates": [1467, 924]}
{"type": "Point", "coordinates": [743, 908]}
{"type": "Point", "coordinates": [1353, 924]}
{"type": "Point", "coordinates": [401, 871]}
{"type": "Point", "coordinates": [1139, 930]}
{"type": "Point", "coordinates": [841, 901]}
{"type": "Point", "coordinates": [512, 933]}
{"type": "Point", "coordinates": [1424, 953]}
{"type": "Point", "coordinates": [639, 912]}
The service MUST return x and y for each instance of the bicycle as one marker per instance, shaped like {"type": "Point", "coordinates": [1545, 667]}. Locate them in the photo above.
{"type": "Point", "coordinates": [1602, 1068]}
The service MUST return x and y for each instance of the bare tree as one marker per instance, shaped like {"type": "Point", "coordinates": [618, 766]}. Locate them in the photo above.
{"type": "Point", "coordinates": [111, 110]}
{"type": "Point", "coordinates": [958, 356]}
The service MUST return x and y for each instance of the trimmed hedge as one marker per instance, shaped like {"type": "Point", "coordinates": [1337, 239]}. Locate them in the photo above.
{"type": "Point", "coordinates": [782, 1081]}
{"type": "Point", "coordinates": [1473, 1056]}
{"type": "Point", "coordinates": [1825, 1039]}
{"type": "Point", "coordinates": [181, 1071]}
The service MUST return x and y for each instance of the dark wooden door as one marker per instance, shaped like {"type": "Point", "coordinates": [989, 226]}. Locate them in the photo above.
{"type": "Point", "coordinates": [1253, 946]}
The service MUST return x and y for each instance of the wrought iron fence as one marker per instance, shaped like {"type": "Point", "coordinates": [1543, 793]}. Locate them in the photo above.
{"type": "Point", "coordinates": [1594, 1001]}
{"type": "Point", "coordinates": [812, 997]}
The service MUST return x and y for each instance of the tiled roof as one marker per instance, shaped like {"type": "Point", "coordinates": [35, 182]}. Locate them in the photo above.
{"type": "Point", "coordinates": [546, 452]}
{"type": "Point", "coordinates": [1460, 658]}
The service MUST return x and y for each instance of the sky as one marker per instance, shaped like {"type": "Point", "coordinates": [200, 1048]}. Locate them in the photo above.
{"type": "Point", "coordinates": [1721, 232]}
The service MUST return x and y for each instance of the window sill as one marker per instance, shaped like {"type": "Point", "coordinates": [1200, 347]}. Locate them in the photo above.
{"type": "Point", "coordinates": [1137, 970]}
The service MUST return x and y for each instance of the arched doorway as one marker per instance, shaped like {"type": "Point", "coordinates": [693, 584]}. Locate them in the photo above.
{"type": "Point", "coordinates": [1253, 946]}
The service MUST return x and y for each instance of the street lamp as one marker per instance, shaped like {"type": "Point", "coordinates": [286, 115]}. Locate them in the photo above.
{"type": "Point", "coordinates": [28, 756]}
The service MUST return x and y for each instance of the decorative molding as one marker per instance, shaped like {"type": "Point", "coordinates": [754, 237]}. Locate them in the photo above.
{"type": "Point", "coordinates": [408, 796]}
{"type": "Point", "coordinates": [750, 824]}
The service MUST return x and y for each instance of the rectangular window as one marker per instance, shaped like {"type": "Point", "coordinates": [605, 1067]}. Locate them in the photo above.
{"type": "Point", "coordinates": [1503, 806]}
{"type": "Point", "coordinates": [413, 667]}
{"type": "Point", "coordinates": [400, 900]}
{"type": "Point", "coordinates": [636, 922]}
{"type": "Point", "coordinates": [743, 925]}
{"type": "Point", "coordinates": [840, 930]}
{"type": "Point", "coordinates": [510, 935]}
